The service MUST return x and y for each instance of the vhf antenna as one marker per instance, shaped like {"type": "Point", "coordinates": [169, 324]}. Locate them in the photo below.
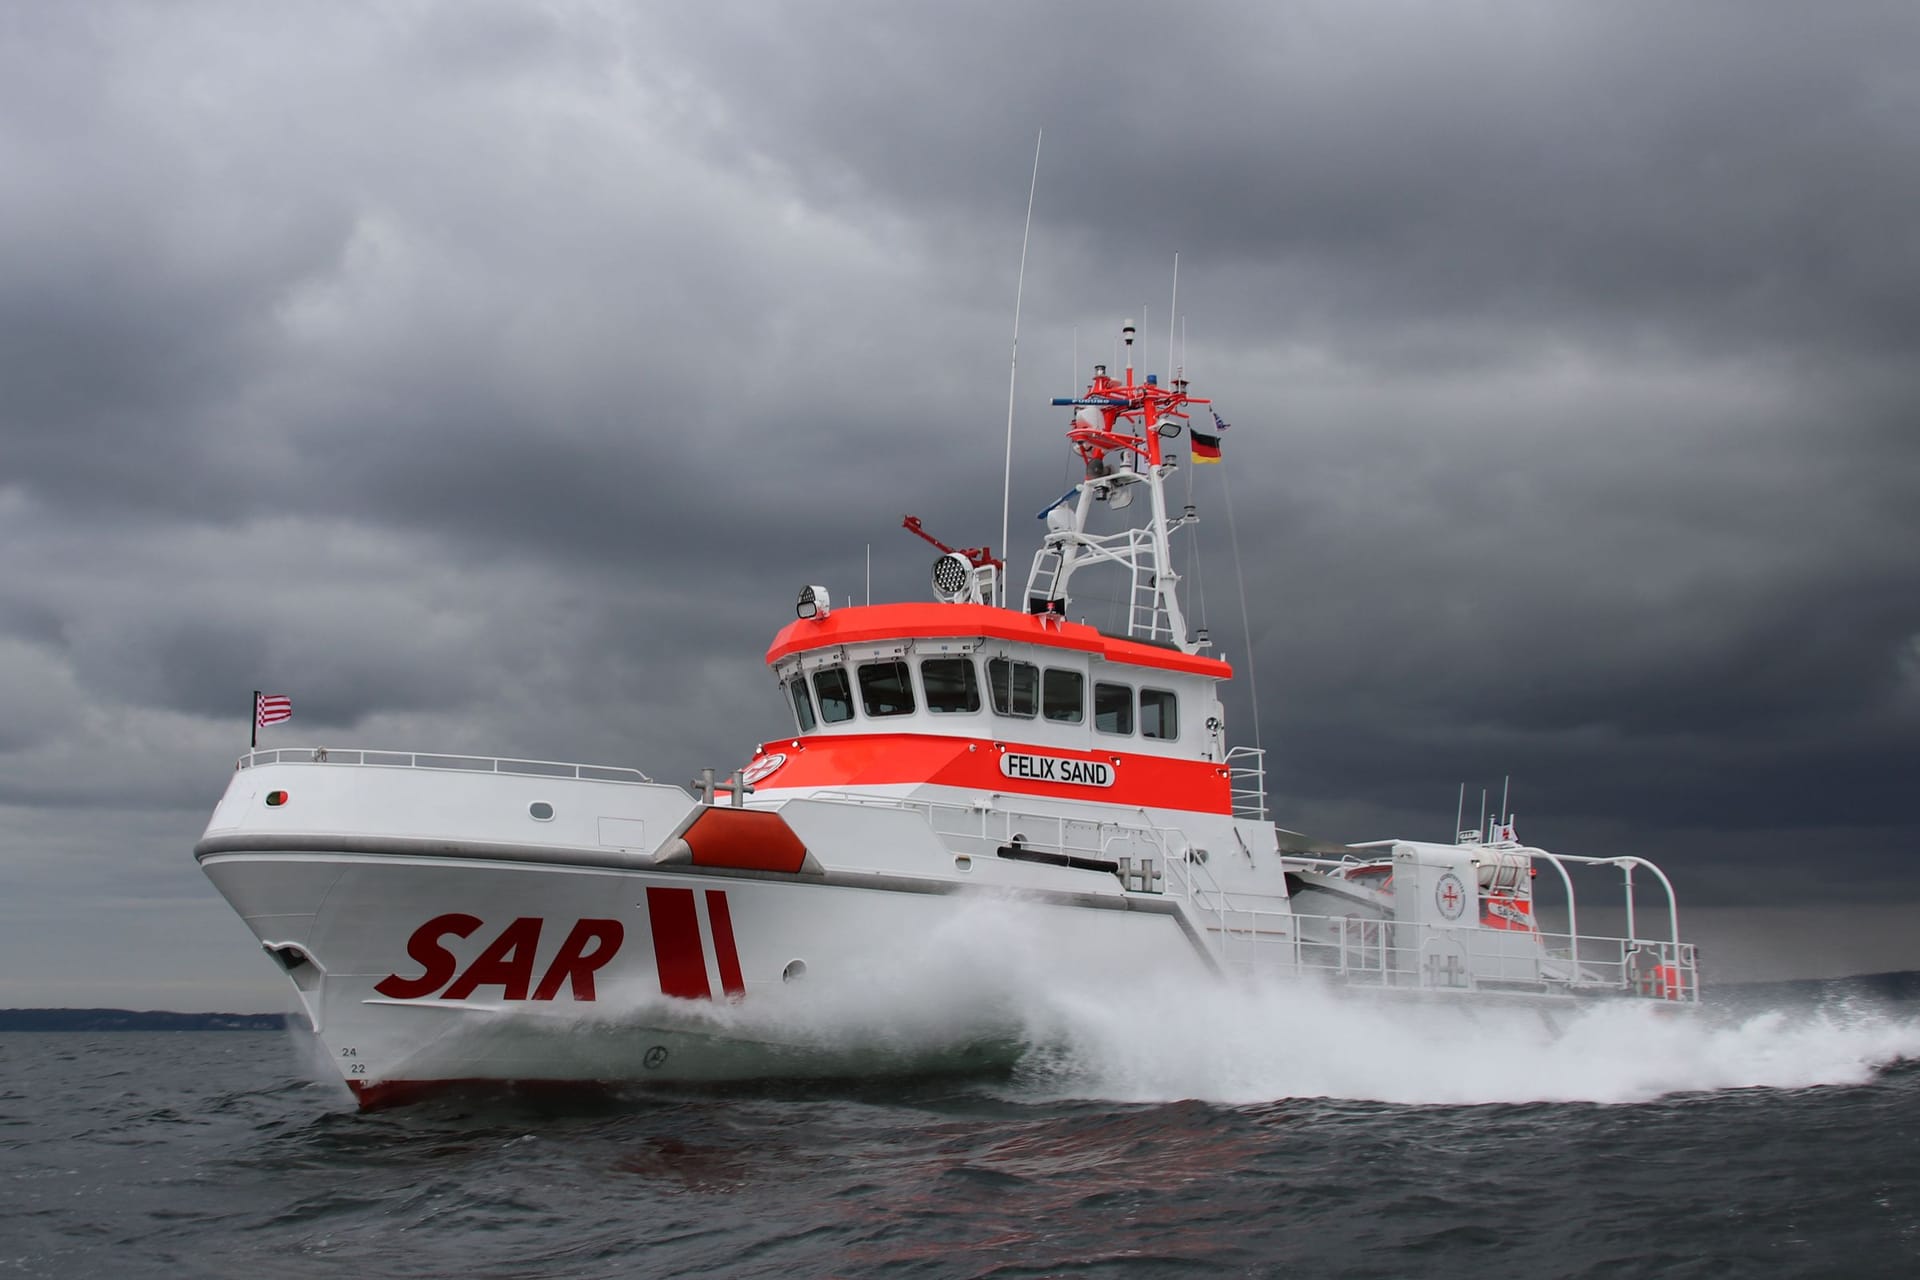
{"type": "Point", "coordinates": [1013, 365]}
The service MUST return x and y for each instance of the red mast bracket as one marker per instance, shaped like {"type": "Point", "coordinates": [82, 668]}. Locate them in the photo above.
{"type": "Point", "coordinates": [1141, 406]}
{"type": "Point", "coordinates": [978, 557]}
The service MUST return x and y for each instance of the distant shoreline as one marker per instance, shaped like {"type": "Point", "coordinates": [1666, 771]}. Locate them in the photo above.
{"type": "Point", "coordinates": [140, 1020]}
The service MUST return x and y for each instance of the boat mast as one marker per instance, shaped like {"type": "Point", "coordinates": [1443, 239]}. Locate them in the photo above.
{"type": "Point", "coordinates": [1117, 430]}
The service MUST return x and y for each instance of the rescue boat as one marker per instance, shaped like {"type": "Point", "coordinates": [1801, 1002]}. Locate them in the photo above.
{"type": "Point", "coordinates": [448, 919]}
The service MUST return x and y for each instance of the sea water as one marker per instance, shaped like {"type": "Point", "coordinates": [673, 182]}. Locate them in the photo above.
{"type": "Point", "coordinates": [1130, 1132]}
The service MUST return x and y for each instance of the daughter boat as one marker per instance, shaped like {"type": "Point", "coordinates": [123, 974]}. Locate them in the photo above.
{"type": "Point", "coordinates": [451, 919]}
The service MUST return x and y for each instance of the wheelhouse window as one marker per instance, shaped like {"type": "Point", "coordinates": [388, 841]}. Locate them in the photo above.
{"type": "Point", "coordinates": [1015, 687]}
{"type": "Point", "coordinates": [802, 703]}
{"type": "Point", "coordinates": [1113, 708]}
{"type": "Point", "coordinates": [835, 692]}
{"type": "Point", "coordinates": [951, 684]}
{"type": "Point", "coordinates": [886, 689]}
{"type": "Point", "coordinates": [1159, 714]}
{"type": "Point", "coordinates": [1063, 696]}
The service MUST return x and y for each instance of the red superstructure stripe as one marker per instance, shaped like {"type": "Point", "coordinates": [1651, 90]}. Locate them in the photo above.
{"type": "Point", "coordinates": [723, 949]}
{"type": "Point", "coordinates": [676, 944]}
{"type": "Point", "coordinates": [883, 759]}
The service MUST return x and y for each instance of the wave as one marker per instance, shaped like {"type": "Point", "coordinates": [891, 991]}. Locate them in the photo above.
{"type": "Point", "coordinates": [1260, 1044]}
{"type": "Point", "coordinates": [993, 980]}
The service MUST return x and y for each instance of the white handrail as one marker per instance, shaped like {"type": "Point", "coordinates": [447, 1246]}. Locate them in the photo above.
{"type": "Point", "coordinates": [1573, 906]}
{"type": "Point", "coordinates": [1673, 903]}
{"type": "Point", "coordinates": [364, 757]}
{"type": "Point", "coordinates": [1239, 775]}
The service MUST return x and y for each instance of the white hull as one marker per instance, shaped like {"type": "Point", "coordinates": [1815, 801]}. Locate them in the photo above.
{"type": "Point", "coordinates": [779, 982]}
{"type": "Point", "coordinates": [432, 941]}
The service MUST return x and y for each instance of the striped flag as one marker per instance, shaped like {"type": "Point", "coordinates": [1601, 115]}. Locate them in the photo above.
{"type": "Point", "coordinates": [271, 708]}
{"type": "Point", "coordinates": [1206, 448]}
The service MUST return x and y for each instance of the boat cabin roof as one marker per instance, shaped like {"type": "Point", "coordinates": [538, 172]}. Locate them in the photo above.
{"type": "Point", "coordinates": [878, 623]}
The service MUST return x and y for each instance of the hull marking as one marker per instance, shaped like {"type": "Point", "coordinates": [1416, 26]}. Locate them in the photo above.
{"type": "Point", "coordinates": [507, 962]}
{"type": "Point", "coordinates": [723, 949]}
{"type": "Point", "coordinates": [677, 952]}
{"type": "Point", "coordinates": [680, 954]}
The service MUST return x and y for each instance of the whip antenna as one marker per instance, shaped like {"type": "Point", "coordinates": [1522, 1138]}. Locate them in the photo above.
{"type": "Point", "coordinates": [1246, 619]}
{"type": "Point", "coordinates": [1013, 365]}
{"type": "Point", "coordinates": [1173, 311]}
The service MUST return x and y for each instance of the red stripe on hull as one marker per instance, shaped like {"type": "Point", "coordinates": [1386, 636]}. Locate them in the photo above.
{"type": "Point", "coordinates": [723, 949]}
{"type": "Point", "coordinates": [676, 944]}
{"type": "Point", "coordinates": [382, 1094]}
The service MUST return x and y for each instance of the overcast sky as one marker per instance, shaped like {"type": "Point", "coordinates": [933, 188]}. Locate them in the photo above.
{"type": "Point", "coordinates": [489, 377]}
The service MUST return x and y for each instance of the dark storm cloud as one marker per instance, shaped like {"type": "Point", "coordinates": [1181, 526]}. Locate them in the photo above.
{"type": "Point", "coordinates": [490, 378]}
{"type": "Point", "coordinates": [1707, 177]}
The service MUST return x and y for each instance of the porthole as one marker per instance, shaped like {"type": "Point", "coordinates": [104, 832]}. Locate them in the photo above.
{"type": "Point", "coordinates": [540, 811]}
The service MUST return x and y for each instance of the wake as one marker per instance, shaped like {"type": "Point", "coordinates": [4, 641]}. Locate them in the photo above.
{"type": "Point", "coordinates": [991, 986]}
{"type": "Point", "coordinates": [990, 989]}
{"type": "Point", "coordinates": [1249, 1045]}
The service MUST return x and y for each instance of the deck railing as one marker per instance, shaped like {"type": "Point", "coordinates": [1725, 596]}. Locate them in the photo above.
{"type": "Point", "coordinates": [1247, 772]}
{"type": "Point", "coordinates": [1422, 956]}
{"type": "Point", "coordinates": [435, 760]}
{"type": "Point", "coordinates": [1418, 955]}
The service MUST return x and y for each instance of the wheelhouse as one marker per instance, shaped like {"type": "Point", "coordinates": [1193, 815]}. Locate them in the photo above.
{"type": "Point", "coordinates": [1051, 684]}
{"type": "Point", "coordinates": [985, 699]}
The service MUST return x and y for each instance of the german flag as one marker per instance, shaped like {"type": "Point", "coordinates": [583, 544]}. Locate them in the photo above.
{"type": "Point", "coordinates": [1206, 448]}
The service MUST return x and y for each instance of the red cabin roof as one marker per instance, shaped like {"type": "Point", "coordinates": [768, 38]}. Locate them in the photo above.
{"type": "Point", "coordinates": [878, 623]}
